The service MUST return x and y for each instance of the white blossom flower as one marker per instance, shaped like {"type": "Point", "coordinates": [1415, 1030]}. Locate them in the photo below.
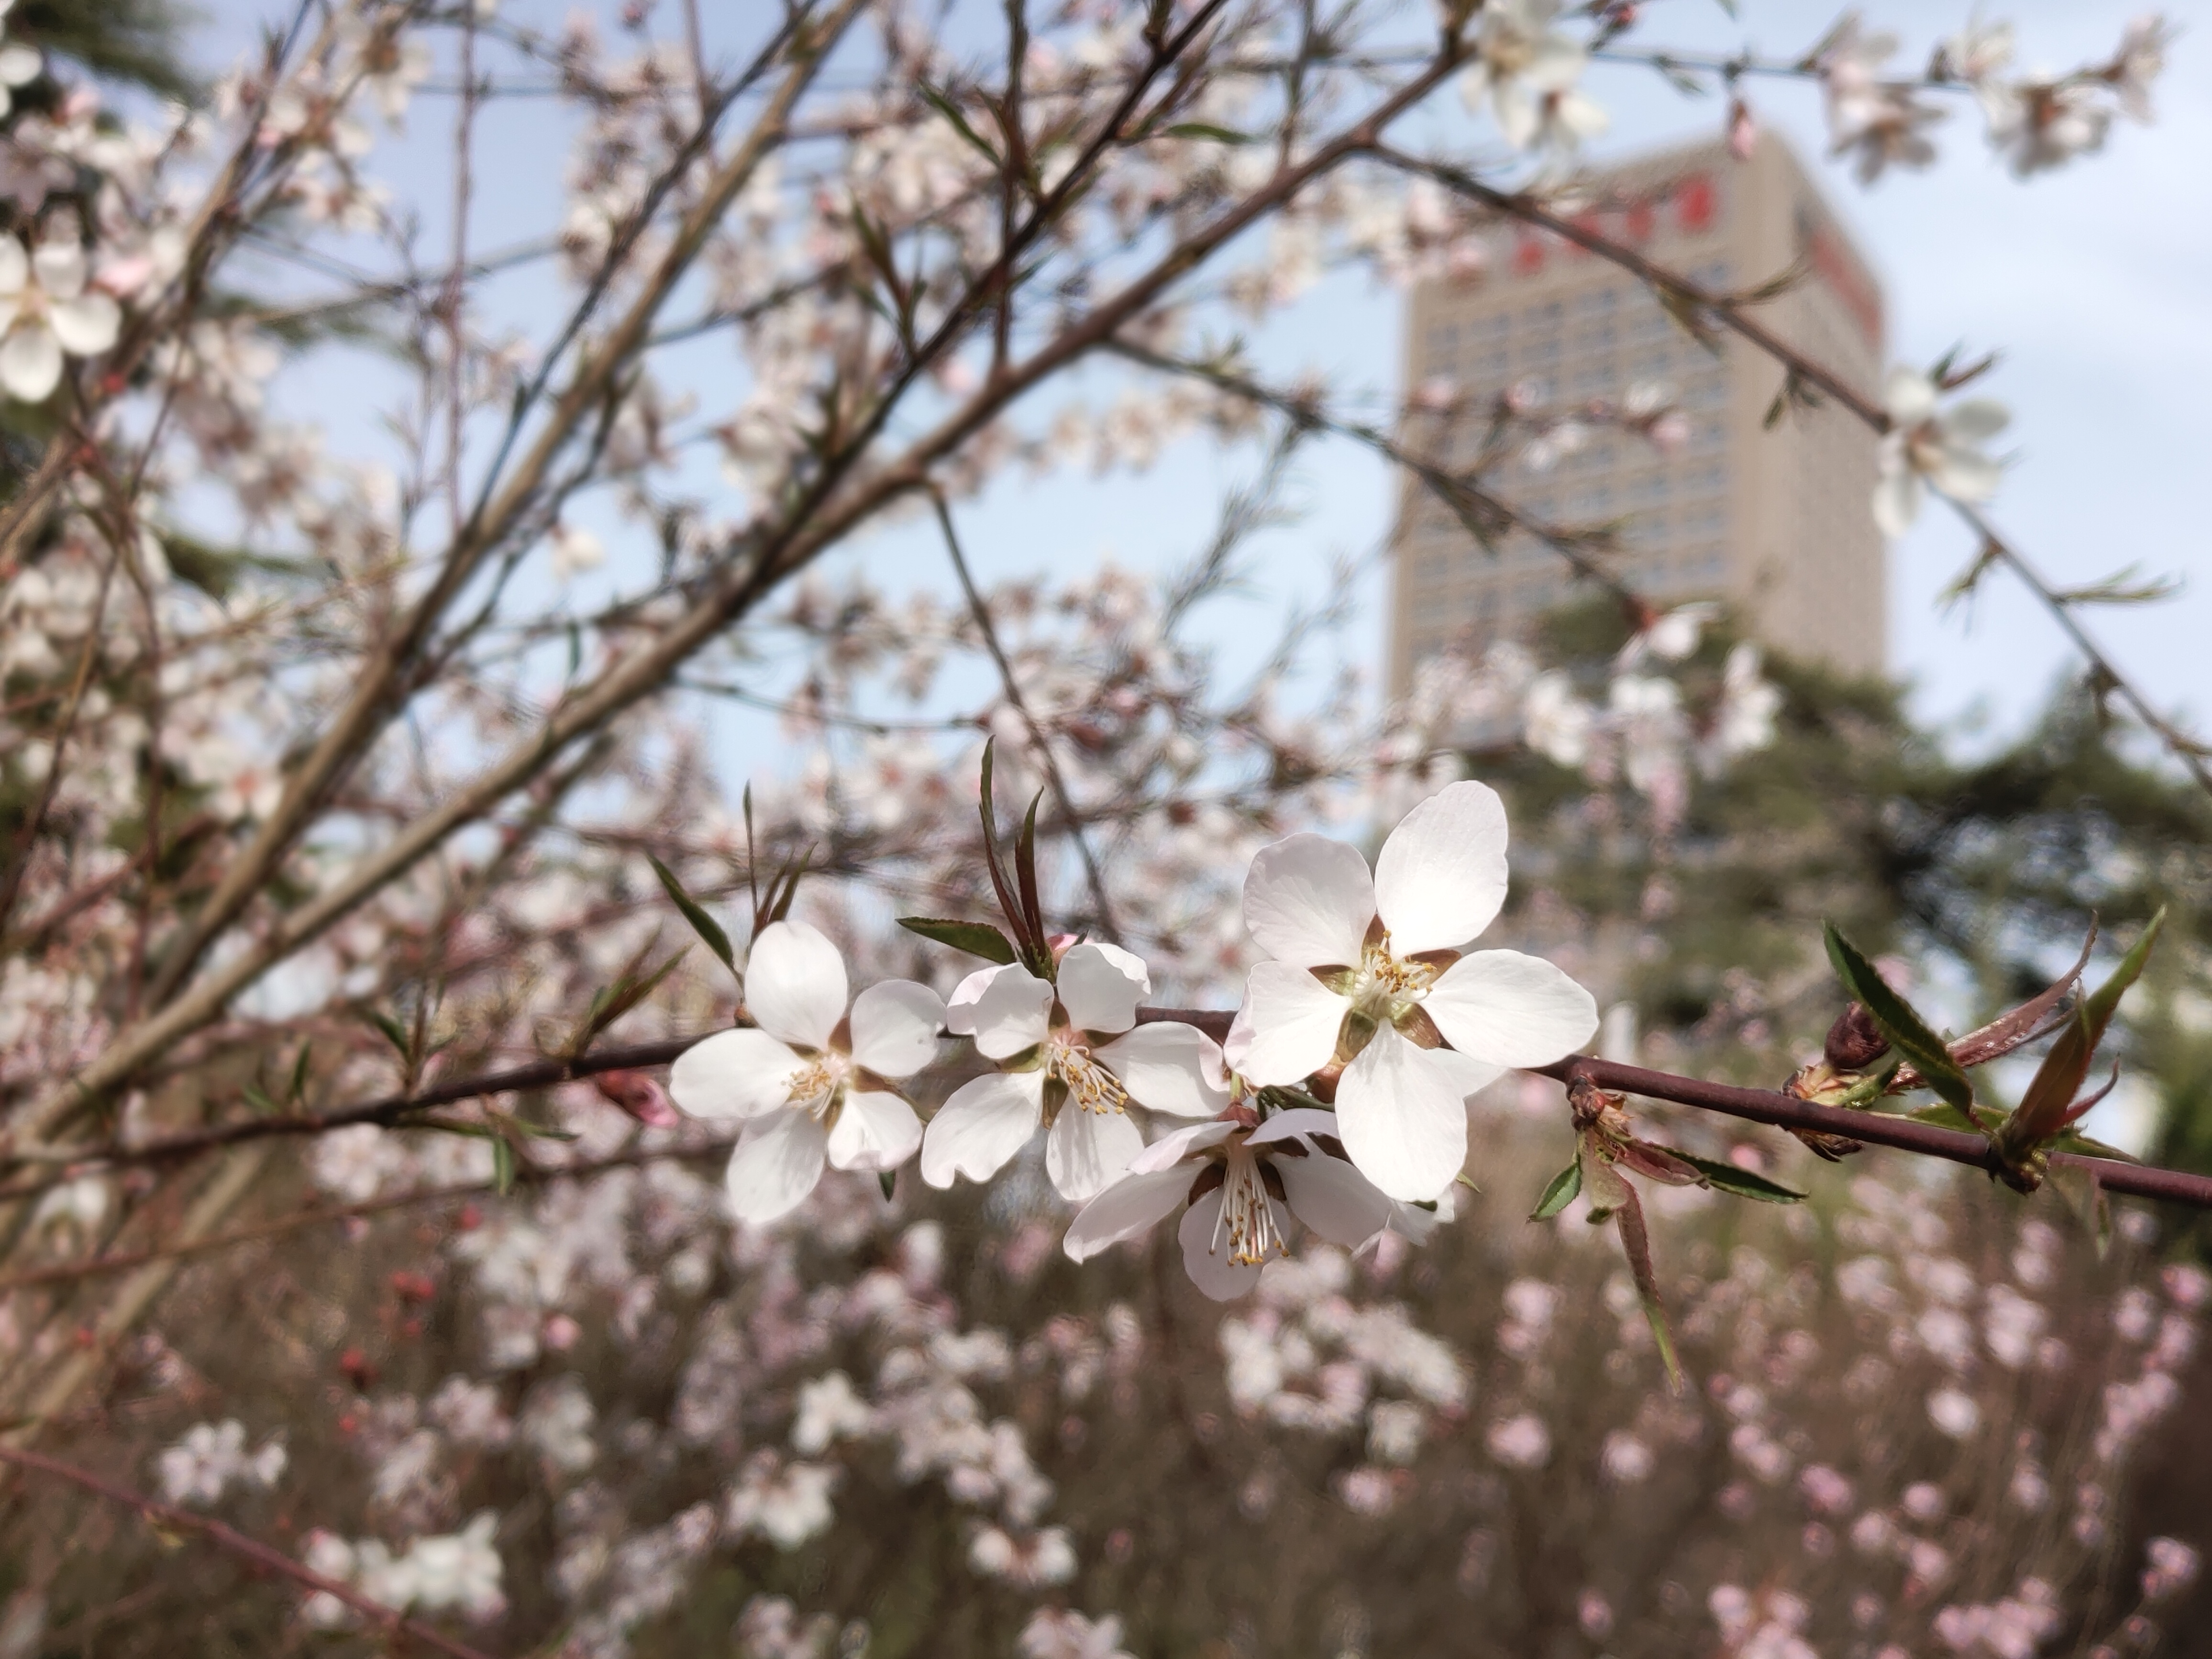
{"type": "Point", "coordinates": [1881, 120]}
{"type": "Point", "coordinates": [212, 1456]}
{"type": "Point", "coordinates": [828, 1410]}
{"type": "Point", "coordinates": [1052, 1633]}
{"type": "Point", "coordinates": [459, 1569]}
{"type": "Point", "coordinates": [2141, 58]}
{"type": "Point", "coordinates": [1367, 970]}
{"type": "Point", "coordinates": [2038, 125]}
{"type": "Point", "coordinates": [1743, 723]}
{"type": "Point", "coordinates": [1923, 448]}
{"type": "Point", "coordinates": [810, 1082]}
{"type": "Point", "coordinates": [1556, 723]}
{"type": "Point", "coordinates": [1528, 71]}
{"type": "Point", "coordinates": [574, 548]}
{"type": "Point", "coordinates": [1520, 1442]}
{"type": "Point", "coordinates": [785, 1505]}
{"type": "Point", "coordinates": [44, 311]}
{"type": "Point", "coordinates": [19, 66]}
{"type": "Point", "coordinates": [1065, 1067]}
{"type": "Point", "coordinates": [1242, 1183]}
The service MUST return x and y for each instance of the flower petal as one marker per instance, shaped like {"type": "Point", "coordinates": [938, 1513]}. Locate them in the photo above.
{"type": "Point", "coordinates": [1975, 420]}
{"type": "Point", "coordinates": [1298, 1121]}
{"type": "Point", "coordinates": [776, 1167]}
{"type": "Point", "coordinates": [1308, 900]}
{"type": "Point", "coordinates": [1333, 1199]}
{"type": "Point", "coordinates": [1100, 986]}
{"type": "Point", "coordinates": [59, 267]}
{"type": "Point", "coordinates": [960, 1008]}
{"type": "Point", "coordinates": [1966, 475]}
{"type": "Point", "coordinates": [1909, 396]}
{"type": "Point", "coordinates": [1170, 1068]}
{"type": "Point", "coordinates": [1897, 498]}
{"type": "Point", "coordinates": [1170, 1149]}
{"type": "Point", "coordinates": [30, 362]}
{"type": "Point", "coordinates": [795, 984]}
{"type": "Point", "coordinates": [1293, 1020]}
{"type": "Point", "coordinates": [1400, 1114]}
{"type": "Point", "coordinates": [874, 1131]}
{"type": "Point", "coordinates": [1087, 1151]}
{"type": "Point", "coordinates": [1013, 1013]}
{"type": "Point", "coordinates": [1129, 1206]}
{"type": "Point", "coordinates": [894, 1027]}
{"type": "Point", "coordinates": [86, 325]}
{"type": "Point", "coordinates": [1205, 1255]}
{"type": "Point", "coordinates": [1441, 877]}
{"type": "Point", "coordinates": [1510, 1009]}
{"type": "Point", "coordinates": [984, 1125]}
{"type": "Point", "coordinates": [15, 266]}
{"type": "Point", "coordinates": [732, 1074]}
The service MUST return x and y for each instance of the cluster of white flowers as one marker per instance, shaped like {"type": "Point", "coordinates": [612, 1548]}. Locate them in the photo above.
{"type": "Point", "coordinates": [212, 1457]}
{"type": "Point", "coordinates": [1366, 998]}
{"type": "Point", "coordinates": [457, 1573]}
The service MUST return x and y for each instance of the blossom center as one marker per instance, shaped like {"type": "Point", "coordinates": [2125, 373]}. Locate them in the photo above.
{"type": "Point", "coordinates": [1385, 987]}
{"type": "Point", "coordinates": [1247, 1217]}
{"type": "Point", "coordinates": [1089, 1085]}
{"type": "Point", "coordinates": [818, 1085]}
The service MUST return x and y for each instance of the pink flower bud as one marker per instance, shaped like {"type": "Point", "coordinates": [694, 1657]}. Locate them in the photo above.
{"type": "Point", "coordinates": [640, 1096]}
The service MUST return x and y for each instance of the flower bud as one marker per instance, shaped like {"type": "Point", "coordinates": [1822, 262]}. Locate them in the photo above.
{"type": "Point", "coordinates": [640, 1096]}
{"type": "Point", "coordinates": [1854, 1041]}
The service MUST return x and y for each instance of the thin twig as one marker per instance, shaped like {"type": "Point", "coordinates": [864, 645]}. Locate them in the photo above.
{"type": "Point", "coordinates": [263, 1558]}
{"type": "Point", "coordinates": [1092, 873]}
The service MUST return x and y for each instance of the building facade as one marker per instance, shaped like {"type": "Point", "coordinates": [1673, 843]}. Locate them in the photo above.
{"type": "Point", "coordinates": [1772, 519]}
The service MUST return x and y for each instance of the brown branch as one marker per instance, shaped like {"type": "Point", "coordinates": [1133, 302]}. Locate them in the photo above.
{"type": "Point", "coordinates": [1733, 314]}
{"type": "Point", "coordinates": [1767, 1106]}
{"type": "Point", "coordinates": [1787, 1112]}
{"type": "Point", "coordinates": [261, 1555]}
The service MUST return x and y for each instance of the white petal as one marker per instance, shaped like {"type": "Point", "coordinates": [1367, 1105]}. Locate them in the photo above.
{"type": "Point", "coordinates": [732, 1074]}
{"type": "Point", "coordinates": [30, 362]}
{"type": "Point", "coordinates": [1125, 1209]}
{"type": "Point", "coordinates": [1400, 1114]}
{"type": "Point", "coordinates": [1557, 65]}
{"type": "Point", "coordinates": [874, 1131]}
{"type": "Point", "coordinates": [1088, 1151]}
{"type": "Point", "coordinates": [1298, 1121]}
{"type": "Point", "coordinates": [776, 1167]}
{"type": "Point", "coordinates": [894, 1027]}
{"type": "Point", "coordinates": [1170, 1068]}
{"type": "Point", "coordinates": [1897, 499]}
{"type": "Point", "coordinates": [1100, 986]}
{"type": "Point", "coordinates": [1013, 1013]}
{"type": "Point", "coordinates": [19, 64]}
{"type": "Point", "coordinates": [1511, 1010]}
{"type": "Point", "coordinates": [1468, 1075]}
{"type": "Point", "coordinates": [984, 1124]}
{"type": "Point", "coordinates": [1206, 1258]}
{"type": "Point", "coordinates": [960, 1009]}
{"type": "Point", "coordinates": [60, 268]}
{"type": "Point", "coordinates": [87, 325]}
{"type": "Point", "coordinates": [15, 265]}
{"type": "Point", "coordinates": [1909, 396]}
{"type": "Point", "coordinates": [1170, 1149]}
{"type": "Point", "coordinates": [1441, 877]}
{"type": "Point", "coordinates": [1332, 1198]}
{"type": "Point", "coordinates": [795, 984]}
{"type": "Point", "coordinates": [1308, 900]}
{"type": "Point", "coordinates": [1294, 1020]}
{"type": "Point", "coordinates": [1518, 118]}
{"type": "Point", "coordinates": [1976, 420]}
{"type": "Point", "coordinates": [1965, 475]}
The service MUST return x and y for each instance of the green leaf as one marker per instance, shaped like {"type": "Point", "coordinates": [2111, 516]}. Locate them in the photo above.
{"type": "Point", "coordinates": [705, 925]}
{"type": "Point", "coordinates": [888, 1180]}
{"type": "Point", "coordinates": [393, 1032]}
{"type": "Point", "coordinates": [1906, 1031]}
{"type": "Point", "coordinates": [2043, 1110]}
{"type": "Point", "coordinates": [261, 1102]}
{"type": "Point", "coordinates": [1206, 129]}
{"type": "Point", "coordinates": [945, 105]}
{"type": "Point", "coordinates": [296, 1090]}
{"type": "Point", "coordinates": [502, 1166]}
{"type": "Point", "coordinates": [977, 939]}
{"type": "Point", "coordinates": [1560, 1193]}
{"type": "Point", "coordinates": [1740, 1182]}
{"type": "Point", "coordinates": [1025, 874]}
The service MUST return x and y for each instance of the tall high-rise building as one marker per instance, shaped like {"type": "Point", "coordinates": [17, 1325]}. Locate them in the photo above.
{"type": "Point", "coordinates": [1773, 518]}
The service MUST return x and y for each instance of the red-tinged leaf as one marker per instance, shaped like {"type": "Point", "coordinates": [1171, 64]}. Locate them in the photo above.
{"type": "Point", "coordinates": [1635, 1241]}
{"type": "Point", "coordinates": [1657, 1163]}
